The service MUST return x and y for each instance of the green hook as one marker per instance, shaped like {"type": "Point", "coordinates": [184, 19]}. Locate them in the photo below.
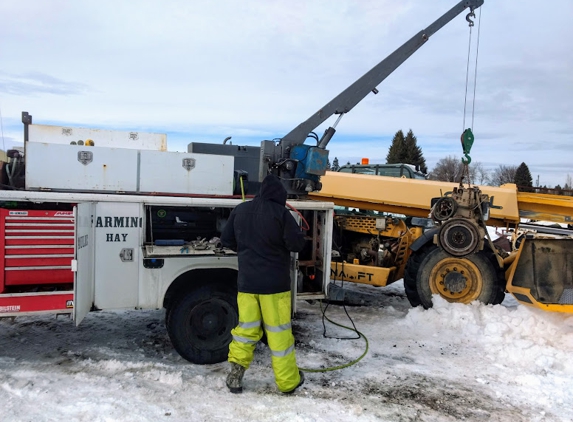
{"type": "Point", "coordinates": [467, 139]}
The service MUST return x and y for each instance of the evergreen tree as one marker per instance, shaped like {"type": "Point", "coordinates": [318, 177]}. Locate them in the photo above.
{"type": "Point", "coordinates": [395, 152]}
{"type": "Point", "coordinates": [523, 178]}
{"type": "Point", "coordinates": [405, 150]}
{"type": "Point", "coordinates": [413, 153]}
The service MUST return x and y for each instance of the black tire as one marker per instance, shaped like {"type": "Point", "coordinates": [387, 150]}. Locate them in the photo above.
{"type": "Point", "coordinates": [499, 291]}
{"type": "Point", "coordinates": [199, 324]}
{"type": "Point", "coordinates": [462, 280]}
{"type": "Point", "coordinates": [411, 272]}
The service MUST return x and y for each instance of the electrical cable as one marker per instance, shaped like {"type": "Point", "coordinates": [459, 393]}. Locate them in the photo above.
{"type": "Point", "coordinates": [353, 328]}
{"type": "Point", "coordinates": [304, 224]}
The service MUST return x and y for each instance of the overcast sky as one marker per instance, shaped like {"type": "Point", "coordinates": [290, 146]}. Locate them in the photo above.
{"type": "Point", "coordinates": [203, 70]}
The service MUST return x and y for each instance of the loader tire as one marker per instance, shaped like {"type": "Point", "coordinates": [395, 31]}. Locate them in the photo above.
{"type": "Point", "coordinates": [499, 290]}
{"type": "Point", "coordinates": [457, 280]}
{"type": "Point", "coordinates": [199, 324]}
{"type": "Point", "coordinates": [410, 274]}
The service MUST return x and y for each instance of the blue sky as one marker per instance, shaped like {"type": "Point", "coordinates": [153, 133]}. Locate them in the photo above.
{"type": "Point", "coordinates": [201, 71]}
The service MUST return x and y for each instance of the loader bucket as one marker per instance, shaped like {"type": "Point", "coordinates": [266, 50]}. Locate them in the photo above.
{"type": "Point", "coordinates": [542, 274]}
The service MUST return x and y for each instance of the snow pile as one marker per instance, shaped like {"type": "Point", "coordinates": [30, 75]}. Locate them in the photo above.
{"type": "Point", "coordinates": [452, 362]}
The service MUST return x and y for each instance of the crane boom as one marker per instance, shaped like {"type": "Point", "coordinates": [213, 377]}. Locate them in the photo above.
{"type": "Point", "coordinates": [300, 166]}
{"type": "Point", "coordinates": [351, 96]}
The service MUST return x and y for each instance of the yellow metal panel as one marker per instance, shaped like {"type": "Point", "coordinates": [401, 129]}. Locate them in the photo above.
{"type": "Point", "coordinates": [524, 294]}
{"type": "Point", "coordinates": [364, 274]}
{"type": "Point", "coordinates": [539, 206]}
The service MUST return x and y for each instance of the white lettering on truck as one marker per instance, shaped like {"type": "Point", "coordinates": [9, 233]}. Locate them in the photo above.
{"type": "Point", "coordinates": [9, 308]}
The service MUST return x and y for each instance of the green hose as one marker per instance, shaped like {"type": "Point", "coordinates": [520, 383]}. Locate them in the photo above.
{"type": "Point", "coordinates": [346, 365]}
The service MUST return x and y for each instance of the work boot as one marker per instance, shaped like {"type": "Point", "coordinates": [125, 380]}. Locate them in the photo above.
{"type": "Point", "coordinates": [301, 382]}
{"type": "Point", "coordinates": [235, 378]}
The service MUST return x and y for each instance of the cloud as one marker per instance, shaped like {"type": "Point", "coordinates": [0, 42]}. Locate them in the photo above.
{"type": "Point", "coordinates": [36, 83]}
{"type": "Point", "coordinates": [204, 70]}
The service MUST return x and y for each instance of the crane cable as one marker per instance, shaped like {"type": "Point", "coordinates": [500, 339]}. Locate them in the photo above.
{"type": "Point", "coordinates": [467, 137]}
{"type": "Point", "coordinates": [471, 24]}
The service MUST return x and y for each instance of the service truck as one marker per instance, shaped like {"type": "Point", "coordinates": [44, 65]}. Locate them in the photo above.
{"type": "Point", "coordinates": [132, 228]}
{"type": "Point", "coordinates": [92, 219]}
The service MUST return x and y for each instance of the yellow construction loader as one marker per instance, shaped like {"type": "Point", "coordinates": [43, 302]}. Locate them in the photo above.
{"type": "Point", "coordinates": [443, 246]}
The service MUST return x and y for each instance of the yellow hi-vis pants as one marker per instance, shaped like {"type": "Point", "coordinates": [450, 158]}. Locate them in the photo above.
{"type": "Point", "coordinates": [272, 312]}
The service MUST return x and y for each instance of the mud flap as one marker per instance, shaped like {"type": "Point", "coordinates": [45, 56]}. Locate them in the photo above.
{"type": "Point", "coordinates": [544, 269]}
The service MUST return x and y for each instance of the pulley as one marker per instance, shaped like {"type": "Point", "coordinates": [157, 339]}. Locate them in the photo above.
{"type": "Point", "coordinates": [460, 237]}
{"type": "Point", "coordinates": [444, 209]}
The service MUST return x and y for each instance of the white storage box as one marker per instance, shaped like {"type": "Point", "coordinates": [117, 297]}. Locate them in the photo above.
{"type": "Point", "coordinates": [183, 172]}
{"type": "Point", "coordinates": [81, 168]}
{"type": "Point", "coordinates": [99, 137]}
{"type": "Point", "coordinates": [73, 167]}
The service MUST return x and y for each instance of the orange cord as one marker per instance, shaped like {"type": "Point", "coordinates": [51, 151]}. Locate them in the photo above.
{"type": "Point", "coordinates": [304, 224]}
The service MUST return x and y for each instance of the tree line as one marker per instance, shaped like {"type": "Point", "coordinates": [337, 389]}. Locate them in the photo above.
{"type": "Point", "coordinates": [405, 150]}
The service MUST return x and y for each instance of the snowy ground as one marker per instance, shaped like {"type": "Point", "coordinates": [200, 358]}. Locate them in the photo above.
{"type": "Point", "coordinates": [450, 363]}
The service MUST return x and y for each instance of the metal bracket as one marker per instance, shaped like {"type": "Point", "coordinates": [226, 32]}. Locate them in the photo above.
{"type": "Point", "coordinates": [126, 255]}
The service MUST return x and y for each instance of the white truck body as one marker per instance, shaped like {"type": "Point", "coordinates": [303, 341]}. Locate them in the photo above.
{"type": "Point", "coordinates": [146, 228]}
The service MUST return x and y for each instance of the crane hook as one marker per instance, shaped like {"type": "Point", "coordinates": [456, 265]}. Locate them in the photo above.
{"type": "Point", "coordinates": [469, 17]}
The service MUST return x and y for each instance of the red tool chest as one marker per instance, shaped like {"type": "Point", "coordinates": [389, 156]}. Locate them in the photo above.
{"type": "Point", "coordinates": [36, 248]}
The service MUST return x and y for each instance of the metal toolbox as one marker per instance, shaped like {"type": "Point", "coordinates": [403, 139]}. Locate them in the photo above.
{"type": "Point", "coordinates": [100, 169]}
{"type": "Point", "coordinates": [36, 247]}
{"type": "Point", "coordinates": [80, 168]}
{"type": "Point", "coordinates": [182, 172]}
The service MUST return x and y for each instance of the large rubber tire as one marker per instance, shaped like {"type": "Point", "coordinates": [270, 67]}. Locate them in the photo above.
{"type": "Point", "coordinates": [499, 290]}
{"type": "Point", "coordinates": [199, 324]}
{"type": "Point", "coordinates": [411, 273]}
{"type": "Point", "coordinates": [462, 280]}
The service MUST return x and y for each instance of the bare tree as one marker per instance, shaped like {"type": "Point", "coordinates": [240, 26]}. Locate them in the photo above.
{"type": "Point", "coordinates": [568, 188]}
{"type": "Point", "coordinates": [451, 168]}
{"type": "Point", "coordinates": [478, 173]}
{"type": "Point", "coordinates": [503, 174]}
{"type": "Point", "coordinates": [448, 169]}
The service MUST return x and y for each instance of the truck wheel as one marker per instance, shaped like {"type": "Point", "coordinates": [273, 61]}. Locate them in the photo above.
{"type": "Point", "coordinates": [460, 280]}
{"type": "Point", "coordinates": [199, 324]}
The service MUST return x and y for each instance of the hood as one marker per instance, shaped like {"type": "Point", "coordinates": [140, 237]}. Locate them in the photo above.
{"type": "Point", "coordinates": [273, 190]}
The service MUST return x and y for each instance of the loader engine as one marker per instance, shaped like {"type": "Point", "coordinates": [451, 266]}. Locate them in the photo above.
{"type": "Point", "coordinates": [374, 240]}
{"type": "Point", "coordinates": [461, 217]}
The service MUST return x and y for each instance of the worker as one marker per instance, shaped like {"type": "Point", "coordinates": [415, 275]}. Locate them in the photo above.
{"type": "Point", "coordinates": [263, 233]}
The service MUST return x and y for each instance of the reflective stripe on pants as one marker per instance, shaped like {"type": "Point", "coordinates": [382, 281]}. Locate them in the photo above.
{"type": "Point", "coordinates": [272, 312]}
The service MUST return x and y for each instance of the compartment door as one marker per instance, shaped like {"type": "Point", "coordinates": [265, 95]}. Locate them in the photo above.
{"type": "Point", "coordinates": [117, 228]}
{"type": "Point", "coordinates": [84, 264]}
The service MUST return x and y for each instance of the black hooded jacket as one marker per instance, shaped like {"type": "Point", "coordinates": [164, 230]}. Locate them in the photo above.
{"type": "Point", "coordinates": [263, 233]}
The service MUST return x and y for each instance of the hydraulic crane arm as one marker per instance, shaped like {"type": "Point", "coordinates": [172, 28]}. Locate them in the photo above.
{"type": "Point", "coordinates": [300, 166]}
{"type": "Point", "coordinates": [351, 96]}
